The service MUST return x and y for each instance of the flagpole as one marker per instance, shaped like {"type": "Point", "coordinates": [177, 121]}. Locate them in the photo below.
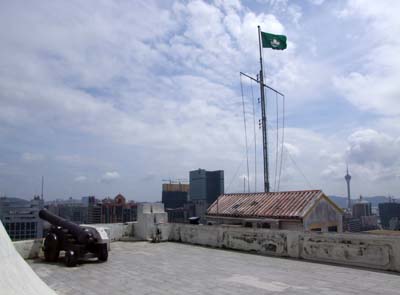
{"type": "Point", "coordinates": [263, 118]}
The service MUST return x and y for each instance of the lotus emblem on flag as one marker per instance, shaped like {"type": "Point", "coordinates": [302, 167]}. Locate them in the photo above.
{"type": "Point", "coordinates": [275, 43]}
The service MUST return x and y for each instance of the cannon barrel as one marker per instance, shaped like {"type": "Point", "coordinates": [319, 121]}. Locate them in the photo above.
{"type": "Point", "coordinates": [81, 234]}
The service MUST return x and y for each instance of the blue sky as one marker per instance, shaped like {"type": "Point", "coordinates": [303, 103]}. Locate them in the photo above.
{"type": "Point", "coordinates": [107, 97]}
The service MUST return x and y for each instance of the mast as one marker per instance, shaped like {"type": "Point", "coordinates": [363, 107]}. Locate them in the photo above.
{"type": "Point", "coordinates": [263, 118]}
{"type": "Point", "coordinates": [42, 187]}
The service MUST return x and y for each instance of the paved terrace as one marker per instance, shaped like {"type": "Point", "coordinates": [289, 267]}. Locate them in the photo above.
{"type": "Point", "coordinates": [175, 268]}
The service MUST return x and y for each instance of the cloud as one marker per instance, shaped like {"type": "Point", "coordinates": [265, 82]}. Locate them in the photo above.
{"type": "Point", "coordinates": [373, 85]}
{"type": "Point", "coordinates": [368, 145]}
{"type": "Point", "coordinates": [372, 157]}
{"type": "Point", "coordinates": [102, 82]}
{"type": "Point", "coordinates": [316, 2]}
{"type": "Point", "coordinates": [80, 179]}
{"type": "Point", "coordinates": [70, 159]}
{"type": "Point", "coordinates": [295, 12]}
{"type": "Point", "coordinates": [109, 177]}
{"type": "Point", "coordinates": [32, 157]}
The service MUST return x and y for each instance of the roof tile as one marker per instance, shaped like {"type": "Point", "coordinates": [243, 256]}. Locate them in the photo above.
{"type": "Point", "coordinates": [292, 204]}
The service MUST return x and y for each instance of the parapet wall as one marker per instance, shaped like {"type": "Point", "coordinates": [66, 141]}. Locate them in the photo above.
{"type": "Point", "coordinates": [362, 250]}
{"type": "Point", "coordinates": [117, 231]}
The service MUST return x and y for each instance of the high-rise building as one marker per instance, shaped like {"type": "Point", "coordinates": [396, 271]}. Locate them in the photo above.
{"type": "Point", "coordinates": [387, 212]}
{"type": "Point", "coordinates": [118, 210]}
{"type": "Point", "coordinates": [362, 213]}
{"type": "Point", "coordinates": [174, 195]}
{"type": "Point", "coordinates": [21, 217]}
{"type": "Point", "coordinates": [347, 177]}
{"type": "Point", "coordinates": [362, 208]}
{"type": "Point", "coordinates": [205, 188]}
{"type": "Point", "coordinates": [94, 210]}
{"type": "Point", "coordinates": [71, 209]}
{"type": "Point", "coordinates": [206, 185]}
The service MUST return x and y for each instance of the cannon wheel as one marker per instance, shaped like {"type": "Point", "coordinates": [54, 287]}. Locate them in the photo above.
{"type": "Point", "coordinates": [71, 258]}
{"type": "Point", "coordinates": [51, 247]}
{"type": "Point", "coordinates": [102, 254]}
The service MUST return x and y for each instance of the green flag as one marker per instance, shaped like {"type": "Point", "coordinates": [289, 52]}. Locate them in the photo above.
{"type": "Point", "coordinates": [273, 41]}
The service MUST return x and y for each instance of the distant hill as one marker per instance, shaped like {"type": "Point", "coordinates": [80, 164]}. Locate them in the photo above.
{"type": "Point", "coordinates": [342, 201]}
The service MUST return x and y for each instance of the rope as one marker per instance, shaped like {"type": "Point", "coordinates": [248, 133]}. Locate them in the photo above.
{"type": "Point", "coordinates": [245, 134]}
{"type": "Point", "coordinates": [277, 140]}
{"type": "Point", "coordinates": [234, 175]}
{"type": "Point", "coordinates": [255, 137]}
{"type": "Point", "coordinates": [298, 168]}
{"type": "Point", "coordinates": [282, 142]}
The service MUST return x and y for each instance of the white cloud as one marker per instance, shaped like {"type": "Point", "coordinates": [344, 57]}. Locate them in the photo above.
{"type": "Point", "coordinates": [32, 157]}
{"type": "Point", "coordinates": [109, 177]}
{"type": "Point", "coordinates": [373, 86]}
{"type": "Point", "coordinates": [101, 76]}
{"type": "Point", "coordinates": [369, 146]}
{"type": "Point", "coordinates": [316, 2]}
{"type": "Point", "coordinates": [80, 179]}
{"type": "Point", "coordinates": [295, 12]}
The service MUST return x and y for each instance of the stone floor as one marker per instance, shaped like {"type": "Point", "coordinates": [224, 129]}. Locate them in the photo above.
{"type": "Point", "coordinates": [173, 268]}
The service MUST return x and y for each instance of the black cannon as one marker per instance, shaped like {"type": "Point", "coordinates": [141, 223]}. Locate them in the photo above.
{"type": "Point", "coordinates": [75, 240]}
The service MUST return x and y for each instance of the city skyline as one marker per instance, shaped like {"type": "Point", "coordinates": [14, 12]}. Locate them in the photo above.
{"type": "Point", "coordinates": [103, 98]}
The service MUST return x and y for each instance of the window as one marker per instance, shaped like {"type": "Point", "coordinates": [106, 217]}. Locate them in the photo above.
{"type": "Point", "coordinates": [332, 228]}
{"type": "Point", "coordinates": [318, 229]}
{"type": "Point", "coordinates": [266, 225]}
{"type": "Point", "coordinates": [248, 224]}
{"type": "Point", "coordinates": [263, 225]}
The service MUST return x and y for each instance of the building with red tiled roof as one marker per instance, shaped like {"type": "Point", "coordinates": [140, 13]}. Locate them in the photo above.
{"type": "Point", "coordinates": [309, 210]}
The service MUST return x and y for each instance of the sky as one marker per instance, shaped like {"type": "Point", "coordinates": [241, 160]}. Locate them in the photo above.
{"type": "Point", "coordinates": [108, 97]}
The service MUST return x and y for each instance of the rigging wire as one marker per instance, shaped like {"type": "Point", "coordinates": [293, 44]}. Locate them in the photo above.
{"type": "Point", "coordinates": [245, 135]}
{"type": "Point", "coordinates": [235, 174]}
{"type": "Point", "coordinates": [277, 140]}
{"type": "Point", "coordinates": [282, 140]}
{"type": "Point", "coordinates": [298, 168]}
{"type": "Point", "coordinates": [255, 137]}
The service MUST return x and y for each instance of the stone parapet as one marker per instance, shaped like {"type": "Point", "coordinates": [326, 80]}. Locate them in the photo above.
{"type": "Point", "coordinates": [363, 250]}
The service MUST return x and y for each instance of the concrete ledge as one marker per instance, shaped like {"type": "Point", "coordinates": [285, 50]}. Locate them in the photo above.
{"type": "Point", "coordinates": [116, 231]}
{"type": "Point", "coordinates": [372, 251]}
{"type": "Point", "coordinates": [363, 250]}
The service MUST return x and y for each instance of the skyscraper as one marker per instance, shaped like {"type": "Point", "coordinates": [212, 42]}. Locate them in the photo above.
{"type": "Point", "coordinates": [348, 178]}
{"type": "Point", "coordinates": [205, 188]}
{"type": "Point", "coordinates": [174, 195]}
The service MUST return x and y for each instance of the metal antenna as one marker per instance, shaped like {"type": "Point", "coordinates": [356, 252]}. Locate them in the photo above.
{"type": "Point", "coordinates": [42, 187]}
{"type": "Point", "coordinates": [263, 118]}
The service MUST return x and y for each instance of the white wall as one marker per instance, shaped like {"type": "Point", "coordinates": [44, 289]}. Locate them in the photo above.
{"type": "Point", "coordinates": [363, 250]}
{"type": "Point", "coordinates": [16, 276]}
{"type": "Point", "coordinates": [372, 251]}
{"type": "Point", "coordinates": [151, 219]}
